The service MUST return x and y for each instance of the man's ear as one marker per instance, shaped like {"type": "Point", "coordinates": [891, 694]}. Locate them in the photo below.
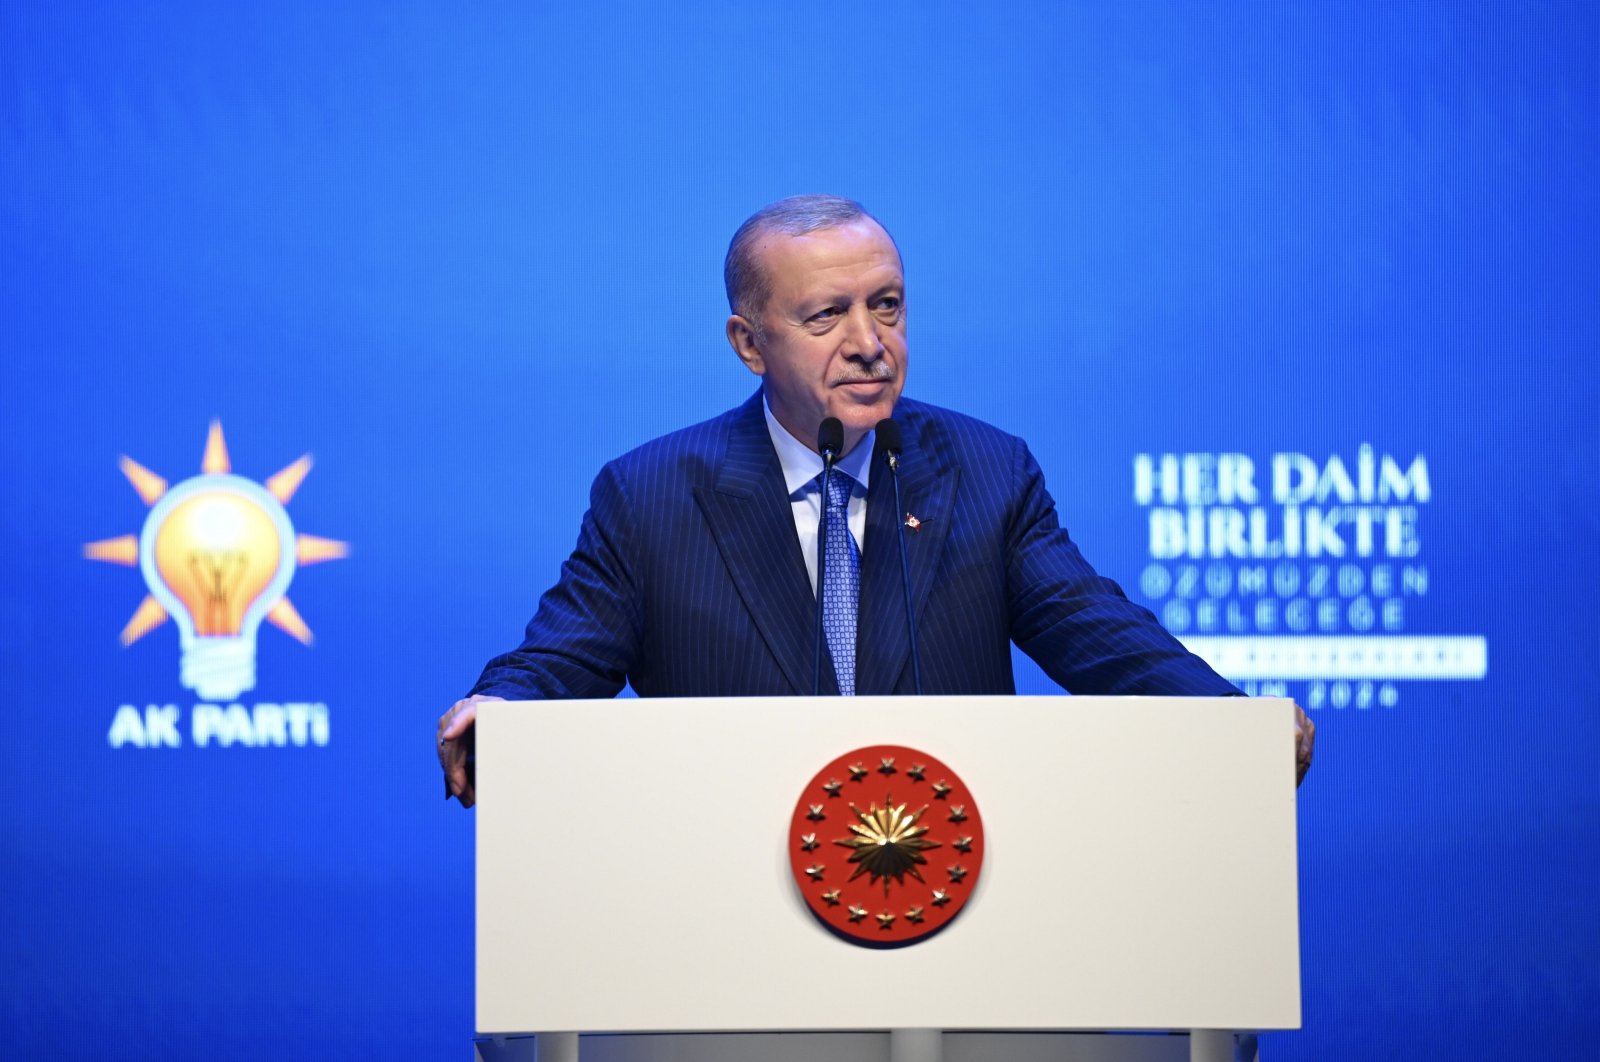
{"type": "Point", "coordinates": [742, 338]}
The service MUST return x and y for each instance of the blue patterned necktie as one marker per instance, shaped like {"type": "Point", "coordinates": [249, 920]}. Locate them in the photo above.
{"type": "Point", "coordinates": [841, 581]}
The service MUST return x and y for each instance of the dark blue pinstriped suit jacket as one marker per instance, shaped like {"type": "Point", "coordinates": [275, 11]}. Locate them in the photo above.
{"type": "Point", "coordinates": [687, 579]}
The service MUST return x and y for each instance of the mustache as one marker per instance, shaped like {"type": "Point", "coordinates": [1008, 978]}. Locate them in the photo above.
{"type": "Point", "coordinates": [877, 372]}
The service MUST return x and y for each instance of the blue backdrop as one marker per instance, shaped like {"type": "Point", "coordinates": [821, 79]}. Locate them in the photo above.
{"type": "Point", "coordinates": [463, 254]}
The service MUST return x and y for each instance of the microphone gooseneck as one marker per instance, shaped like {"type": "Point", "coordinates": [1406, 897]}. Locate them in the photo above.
{"type": "Point", "coordinates": [830, 440]}
{"type": "Point", "coordinates": [887, 442]}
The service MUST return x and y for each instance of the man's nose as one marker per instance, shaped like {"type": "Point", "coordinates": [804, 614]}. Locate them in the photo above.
{"type": "Point", "coordinates": [862, 339]}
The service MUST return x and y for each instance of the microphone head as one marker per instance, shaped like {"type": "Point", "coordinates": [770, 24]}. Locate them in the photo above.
{"type": "Point", "coordinates": [886, 437]}
{"type": "Point", "coordinates": [830, 437]}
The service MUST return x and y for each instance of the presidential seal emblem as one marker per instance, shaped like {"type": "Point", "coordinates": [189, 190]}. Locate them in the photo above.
{"type": "Point", "coordinates": [886, 845]}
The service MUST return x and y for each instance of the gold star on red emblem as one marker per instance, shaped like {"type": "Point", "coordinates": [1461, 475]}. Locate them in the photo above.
{"type": "Point", "coordinates": [885, 895]}
{"type": "Point", "coordinates": [887, 843]}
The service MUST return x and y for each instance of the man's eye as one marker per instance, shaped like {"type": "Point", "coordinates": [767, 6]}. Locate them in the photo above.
{"type": "Point", "coordinates": [826, 315]}
{"type": "Point", "coordinates": [889, 304]}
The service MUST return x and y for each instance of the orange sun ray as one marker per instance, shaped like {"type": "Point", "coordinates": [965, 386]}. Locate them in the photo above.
{"type": "Point", "coordinates": [216, 457]}
{"type": "Point", "coordinates": [124, 549]}
{"type": "Point", "coordinates": [283, 484]}
{"type": "Point", "coordinates": [146, 618]}
{"type": "Point", "coordinates": [313, 549]}
{"type": "Point", "coordinates": [284, 617]}
{"type": "Point", "coordinates": [148, 485]}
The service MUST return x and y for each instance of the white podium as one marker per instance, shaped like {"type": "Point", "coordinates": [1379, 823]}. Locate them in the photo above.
{"type": "Point", "coordinates": [633, 877]}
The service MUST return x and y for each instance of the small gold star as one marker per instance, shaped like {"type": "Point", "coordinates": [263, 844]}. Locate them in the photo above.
{"type": "Point", "coordinates": [887, 767]}
{"type": "Point", "coordinates": [916, 773]}
{"type": "Point", "coordinates": [856, 913]}
{"type": "Point", "coordinates": [941, 789]}
{"type": "Point", "coordinates": [914, 915]}
{"type": "Point", "coordinates": [814, 871]}
{"type": "Point", "coordinates": [958, 813]}
{"type": "Point", "coordinates": [886, 920]}
{"type": "Point", "coordinates": [808, 841]}
{"type": "Point", "coordinates": [940, 897]}
{"type": "Point", "coordinates": [957, 872]}
{"type": "Point", "coordinates": [960, 844]}
{"type": "Point", "coordinates": [857, 772]}
{"type": "Point", "coordinates": [815, 814]}
{"type": "Point", "coordinates": [831, 897]}
{"type": "Point", "coordinates": [832, 787]}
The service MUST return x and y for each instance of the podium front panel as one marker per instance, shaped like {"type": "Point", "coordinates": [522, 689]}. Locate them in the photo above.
{"type": "Point", "coordinates": [633, 867]}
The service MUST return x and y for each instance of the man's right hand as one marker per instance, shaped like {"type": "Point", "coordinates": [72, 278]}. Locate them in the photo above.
{"type": "Point", "coordinates": [455, 745]}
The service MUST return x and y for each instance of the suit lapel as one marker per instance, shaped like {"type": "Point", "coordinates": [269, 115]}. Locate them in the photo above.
{"type": "Point", "coordinates": [927, 490]}
{"type": "Point", "coordinates": [753, 525]}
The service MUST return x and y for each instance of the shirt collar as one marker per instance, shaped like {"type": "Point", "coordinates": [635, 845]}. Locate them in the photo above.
{"type": "Point", "coordinates": [801, 464]}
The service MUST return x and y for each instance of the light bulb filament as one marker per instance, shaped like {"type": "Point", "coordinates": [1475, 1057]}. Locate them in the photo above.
{"type": "Point", "coordinates": [216, 575]}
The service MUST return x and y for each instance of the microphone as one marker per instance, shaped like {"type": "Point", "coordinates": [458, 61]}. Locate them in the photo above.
{"type": "Point", "coordinates": [830, 440]}
{"type": "Point", "coordinates": [887, 442]}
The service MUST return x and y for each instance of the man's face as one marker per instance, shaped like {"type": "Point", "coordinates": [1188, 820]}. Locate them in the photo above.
{"type": "Point", "coordinates": [833, 334]}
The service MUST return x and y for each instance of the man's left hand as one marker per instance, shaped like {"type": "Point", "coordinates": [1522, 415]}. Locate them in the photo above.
{"type": "Point", "coordinates": [1305, 736]}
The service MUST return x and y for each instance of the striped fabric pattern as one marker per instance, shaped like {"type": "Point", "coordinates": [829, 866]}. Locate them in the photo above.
{"type": "Point", "coordinates": [687, 579]}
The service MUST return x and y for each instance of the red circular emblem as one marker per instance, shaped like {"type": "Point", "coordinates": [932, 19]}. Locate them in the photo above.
{"type": "Point", "coordinates": [886, 845]}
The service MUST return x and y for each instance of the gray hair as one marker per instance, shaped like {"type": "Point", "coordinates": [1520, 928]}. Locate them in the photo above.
{"type": "Point", "coordinates": [747, 283]}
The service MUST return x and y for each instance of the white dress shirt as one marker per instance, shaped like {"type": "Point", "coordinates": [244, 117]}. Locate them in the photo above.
{"type": "Point", "coordinates": [801, 467]}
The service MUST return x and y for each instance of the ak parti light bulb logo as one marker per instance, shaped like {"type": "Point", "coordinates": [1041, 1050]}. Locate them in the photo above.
{"type": "Point", "coordinates": [217, 552]}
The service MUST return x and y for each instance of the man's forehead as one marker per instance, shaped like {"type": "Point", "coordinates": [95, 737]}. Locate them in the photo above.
{"type": "Point", "coordinates": [860, 249]}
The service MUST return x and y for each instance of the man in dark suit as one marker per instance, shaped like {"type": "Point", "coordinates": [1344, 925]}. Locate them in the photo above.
{"type": "Point", "coordinates": [695, 572]}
